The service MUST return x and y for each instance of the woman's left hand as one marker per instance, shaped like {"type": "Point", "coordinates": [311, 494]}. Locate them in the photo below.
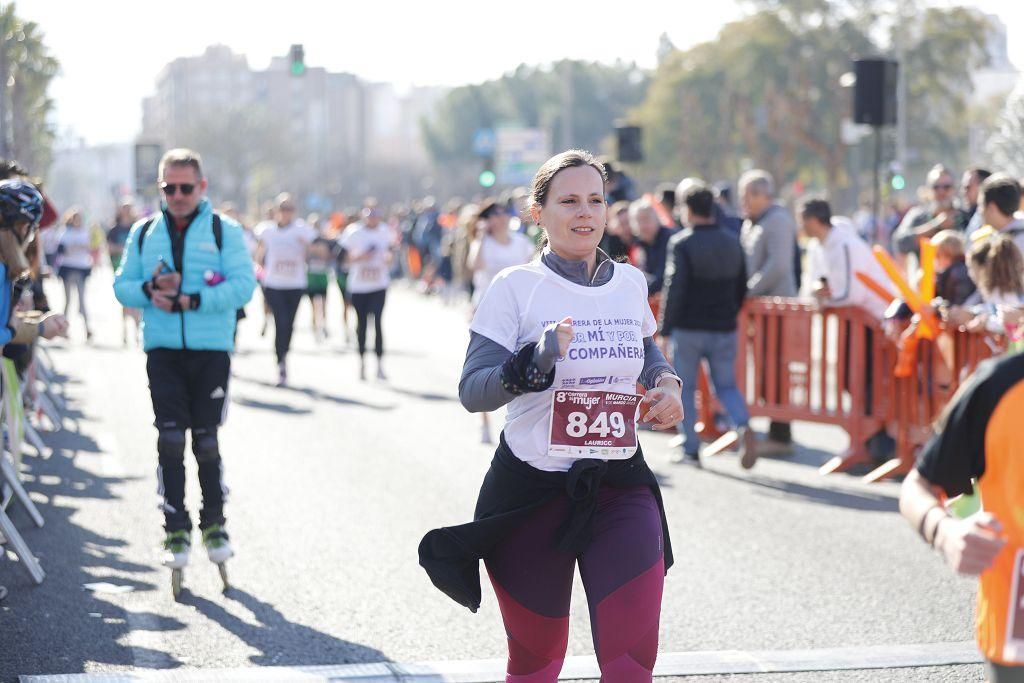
{"type": "Point", "coordinates": [662, 407]}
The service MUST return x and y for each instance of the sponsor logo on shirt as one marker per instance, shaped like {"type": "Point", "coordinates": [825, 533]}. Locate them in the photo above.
{"type": "Point", "coordinates": [568, 383]}
{"type": "Point", "coordinates": [591, 381]}
{"type": "Point", "coordinates": [623, 380]}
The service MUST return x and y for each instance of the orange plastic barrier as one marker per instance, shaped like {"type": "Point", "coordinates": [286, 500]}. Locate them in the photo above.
{"type": "Point", "coordinates": [797, 362]}
{"type": "Point", "coordinates": [941, 366]}
{"type": "Point", "coordinates": [836, 366]}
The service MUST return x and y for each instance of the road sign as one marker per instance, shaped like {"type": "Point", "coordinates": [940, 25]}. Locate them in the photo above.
{"type": "Point", "coordinates": [520, 152]}
{"type": "Point", "coordinates": [484, 141]}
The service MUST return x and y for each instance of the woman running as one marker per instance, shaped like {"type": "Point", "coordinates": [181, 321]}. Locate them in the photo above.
{"type": "Point", "coordinates": [563, 342]}
{"type": "Point", "coordinates": [495, 249]}
{"type": "Point", "coordinates": [318, 265]}
{"type": "Point", "coordinates": [75, 256]}
{"type": "Point", "coordinates": [283, 249]}
{"type": "Point", "coordinates": [116, 238]}
{"type": "Point", "coordinates": [369, 245]}
{"type": "Point", "coordinates": [341, 277]}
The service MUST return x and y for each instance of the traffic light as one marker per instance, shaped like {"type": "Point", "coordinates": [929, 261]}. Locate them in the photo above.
{"type": "Point", "coordinates": [896, 179]}
{"type": "Point", "coordinates": [487, 176]}
{"type": "Point", "coordinates": [297, 60]}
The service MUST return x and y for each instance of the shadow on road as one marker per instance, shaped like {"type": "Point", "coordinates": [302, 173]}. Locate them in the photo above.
{"type": "Point", "coordinates": [59, 626]}
{"type": "Point", "coordinates": [281, 642]}
{"type": "Point", "coordinates": [268, 405]}
{"type": "Point", "coordinates": [871, 502]}
{"type": "Point", "coordinates": [310, 392]}
{"type": "Point", "coordinates": [423, 395]}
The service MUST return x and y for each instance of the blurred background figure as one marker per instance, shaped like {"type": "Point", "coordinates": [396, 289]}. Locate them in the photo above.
{"type": "Point", "coordinates": [117, 235]}
{"type": "Point", "coordinates": [495, 249]}
{"type": "Point", "coordinates": [75, 262]}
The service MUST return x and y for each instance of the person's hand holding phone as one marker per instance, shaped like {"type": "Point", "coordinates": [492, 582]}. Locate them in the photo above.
{"type": "Point", "coordinates": [166, 279]}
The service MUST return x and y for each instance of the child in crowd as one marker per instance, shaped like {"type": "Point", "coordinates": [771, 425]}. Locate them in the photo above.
{"type": "Point", "coordinates": [997, 267]}
{"type": "Point", "coordinates": [953, 283]}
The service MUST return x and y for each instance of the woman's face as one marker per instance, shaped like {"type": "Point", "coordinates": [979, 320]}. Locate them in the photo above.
{"type": "Point", "coordinates": [497, 221]}
{"type": "Point", "coordinates": [575, 214]}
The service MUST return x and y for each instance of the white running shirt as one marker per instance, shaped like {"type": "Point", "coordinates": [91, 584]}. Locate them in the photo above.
{"type": "Point", "coordinates": [77, 248]}
{"type": "Point", "coordinates": [371, 274]}
{"type": "Point", "coordinates": [496, 257]}
{"type": "Point", "coordinates": [284, 259]}
{"type": "Point", "coordinates": [606, 354]}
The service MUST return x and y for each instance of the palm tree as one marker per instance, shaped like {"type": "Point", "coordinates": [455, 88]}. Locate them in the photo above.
{"type": "Point", "coordinates": [26, 70]}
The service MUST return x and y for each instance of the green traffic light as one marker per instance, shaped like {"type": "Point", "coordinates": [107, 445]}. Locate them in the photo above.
{"type": "Point", "coordinates": [298, 68]}
{"type": "Point", "coordinates": [898, 182]}
{"type": "Point", "coordinates": [487, 179]}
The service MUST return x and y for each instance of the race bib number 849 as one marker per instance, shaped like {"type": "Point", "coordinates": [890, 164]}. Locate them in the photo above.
{"type": "Point", "coordinates": [593, 424]}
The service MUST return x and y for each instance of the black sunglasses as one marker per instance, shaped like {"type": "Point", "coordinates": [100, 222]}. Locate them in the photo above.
{"type": "Point", "coordinates": [172, 188]}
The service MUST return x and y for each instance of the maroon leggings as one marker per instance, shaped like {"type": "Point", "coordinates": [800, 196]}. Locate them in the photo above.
{"type": "Point", "coordinates": [623, 572]}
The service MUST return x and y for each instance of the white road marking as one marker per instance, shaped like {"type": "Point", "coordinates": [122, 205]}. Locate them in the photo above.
{"type": "Point", "coordinates": [493, 670]}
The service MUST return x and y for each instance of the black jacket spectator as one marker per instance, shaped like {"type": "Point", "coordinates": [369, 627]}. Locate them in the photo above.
{"type": "Point", "coordinates": [705, 280]}
{"type": "Point", "coordinates": [655, 257]}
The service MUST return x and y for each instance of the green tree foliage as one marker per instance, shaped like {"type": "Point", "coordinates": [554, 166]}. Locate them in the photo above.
{"type": "Point", "coordinates": [28, 68]}
{"type": "Point", "coordinates": [942, 48]}
{"type": "Point", "coordinates": [766, 92]}
{"type": "Point", "coordinates": [595, 95]}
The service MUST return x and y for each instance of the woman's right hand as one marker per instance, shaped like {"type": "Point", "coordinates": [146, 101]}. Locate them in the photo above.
{"type": "Point", "coordinates": [564, 333]}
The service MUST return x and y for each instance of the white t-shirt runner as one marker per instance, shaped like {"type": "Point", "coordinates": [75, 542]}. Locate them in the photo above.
{"type": "Point", "coordinates": [77, 245]}
{"type": "Point", "coordinates": [371, 274]}
{"type": "Point", "coordinates": [590, 409]}
{"type": "Point", "coordinates": [284, 259]}
{"type": "Point", "coordinates": [496, 257]}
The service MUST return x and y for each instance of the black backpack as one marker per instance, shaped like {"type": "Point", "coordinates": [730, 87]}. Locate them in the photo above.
{"type": "Point", "coordinates": [218, 232]}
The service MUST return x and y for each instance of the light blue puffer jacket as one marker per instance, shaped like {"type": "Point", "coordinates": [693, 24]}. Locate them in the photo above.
{"type": "Point", "coordinates": [212, 325]}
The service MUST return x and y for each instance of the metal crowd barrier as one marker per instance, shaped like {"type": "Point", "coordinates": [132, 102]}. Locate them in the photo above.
{"type": "Point", "coordinates": [36, 393]}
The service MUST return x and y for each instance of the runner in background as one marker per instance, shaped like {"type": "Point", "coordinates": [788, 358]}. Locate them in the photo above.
{"type": "Point", "coordinates": [269, 214]}
{"type": "Point", "coordinates": [339, 224]}
{"type": "Point", "coordinates": [495, 249]}
{"type": "Point", "coordinates": [369, 246]}
{"type": "Point", "coordinates": [283, 251]}
{"type": "Point", "coordinates": [75, 258]}
{"type": "Point", "coordinates": [318, 278]}
{"type": "Point", "coordinates": [116, 237]}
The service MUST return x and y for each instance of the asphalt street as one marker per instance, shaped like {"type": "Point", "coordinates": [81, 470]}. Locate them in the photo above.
{"type": "Point", "coordinates": [335, 480]}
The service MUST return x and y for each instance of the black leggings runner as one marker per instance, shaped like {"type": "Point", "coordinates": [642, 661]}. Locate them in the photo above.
{"type": "Point", "coordinates": [367, 304]}
{"type": "Point", "coordinates": [284, 304]}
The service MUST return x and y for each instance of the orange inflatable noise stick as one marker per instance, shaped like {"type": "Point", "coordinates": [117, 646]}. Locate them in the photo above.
{"type": "Point", "coordinates": [929, 325]}
{"type": "Point", "coordinates": [927, 270]}
{"type": "Point", "coordinates": [876, 288]}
